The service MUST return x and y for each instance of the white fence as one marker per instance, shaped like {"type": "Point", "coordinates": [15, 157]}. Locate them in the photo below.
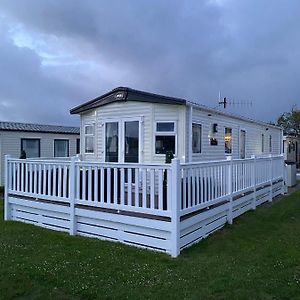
{"type": "Point", "coordinates": [161, 207]}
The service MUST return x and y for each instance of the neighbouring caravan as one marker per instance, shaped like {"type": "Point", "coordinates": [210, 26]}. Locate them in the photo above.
{"type": "Point", "coordinates": [291, 149]}
{"type": "Point", "coordinates": [127, 125]}
{"type": "Point", "coordinates": [37, 141]}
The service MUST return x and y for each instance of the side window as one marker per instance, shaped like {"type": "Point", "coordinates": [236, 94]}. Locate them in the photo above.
{"type": "Point", "coordinates": [165, 137]}
{"type": "Point", "coordinates": [196, 138]}
{"type": "Point", "coordinates": [228, 140]}
{"type": "Point", "coordinates": [31, 147]}
{"type": "Point", "coordinates": [61, 148]}
{"type": "Point", "coordinates": [262, 143]}
{"type": "Point", "coordinates": [77, 146]}
{"type": "Point", "coordinates": [270, 144]}
{"type": "Point", "coordinates": [89, 138]}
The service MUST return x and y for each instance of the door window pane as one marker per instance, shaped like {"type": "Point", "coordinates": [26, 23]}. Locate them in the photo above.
{"type": "Point", "coordinates": [31, 147]}
{"type": "Point", "coordinates": [61, 148]}
{"type": "Point", "coordinates": [131, 142]}
{"type": "Point", "coordinates": [111, 142]}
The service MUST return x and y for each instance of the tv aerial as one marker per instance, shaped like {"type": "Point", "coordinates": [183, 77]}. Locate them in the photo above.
{"type": "Point", "coordinates": [224, 102]}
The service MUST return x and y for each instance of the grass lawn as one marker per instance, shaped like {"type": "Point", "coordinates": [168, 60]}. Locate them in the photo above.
{"type": "Point", "coordinates": [256, 258]}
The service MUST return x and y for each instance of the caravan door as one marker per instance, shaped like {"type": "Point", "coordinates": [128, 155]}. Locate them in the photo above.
{"type": "Point", "coordinates": [122, 141]}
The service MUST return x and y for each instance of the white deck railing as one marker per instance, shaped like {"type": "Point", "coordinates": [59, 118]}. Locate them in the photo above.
{"type": "Point", "coordinates": [206, 183]}
{"type": "Point", "coordinates": [132, 187]}
{"type": "Point", "coordinates": [157, 199]}
{"type": "Point", "coordinates": [39, 179]}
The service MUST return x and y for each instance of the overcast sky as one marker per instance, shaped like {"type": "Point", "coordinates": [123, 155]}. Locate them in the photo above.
{"type": "Point", "coordinates": [55, 55]}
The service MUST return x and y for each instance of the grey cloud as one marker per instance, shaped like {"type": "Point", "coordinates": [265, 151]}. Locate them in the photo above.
{"type": "Point", "coordinates": [28, 94]}
{"type": "Point", "coordinates": [247, 49]}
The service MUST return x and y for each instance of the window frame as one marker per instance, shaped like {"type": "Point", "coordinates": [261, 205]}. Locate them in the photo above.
{"type": "Point", "coordinates": [262, 143]}
{"type": "Point", "coordinates": [89, 135]}
{"type": "Point", "coordinates": [66, 140]}
{"type": "Point", "coordinates": [231, 148]}
{"type": "Point", "coordinates": [35, 139]}
{"type": "Point", "coordinates": [201, 138]}
{"type": "Point", "coordinates": [165, 133]}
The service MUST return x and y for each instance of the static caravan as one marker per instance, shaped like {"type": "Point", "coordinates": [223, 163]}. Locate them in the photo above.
{"type": "Point", "coordinates": [36, 141]}
{"type": "Point", "coordinates": [122, 190]}
{"type": "Point", "coordinates": [291, 149]}
{"type": "Point", "coordinates": [127, 125]}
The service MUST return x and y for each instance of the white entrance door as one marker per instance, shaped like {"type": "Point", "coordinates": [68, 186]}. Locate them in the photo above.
{"type": "Point", "coordinates": [122, 141]}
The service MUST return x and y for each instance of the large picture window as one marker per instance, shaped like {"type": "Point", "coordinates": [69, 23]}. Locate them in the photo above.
{"type": "Point", "coordinates": [31, 147]}
{"type": "Point", "coordinates": [228, 140]}
{"type": "Point", "coordinates": [165, 137]}
{"type": "Point", "coordinates": [61, 148]}
{"type": "Point", "coordinates": [196, 138]}
{"type": "Point", "coordinates": [89, 138]}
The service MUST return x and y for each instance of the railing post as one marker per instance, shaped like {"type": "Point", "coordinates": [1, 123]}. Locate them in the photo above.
{"type": "Point", "coordinates": [284, 178]}
{"type": "Point", "coordinates": [271, 178]}
{"type": "Point", "coordinates": [229, 184]}
{"type": "Point", "coordinates": [254, 181]}
{"type": "Point", "coordinates": [72, 178]}
{"type": "Point", "coordinates": [175, 206]}
{"type": "Point", "coordinates": [8, 174]}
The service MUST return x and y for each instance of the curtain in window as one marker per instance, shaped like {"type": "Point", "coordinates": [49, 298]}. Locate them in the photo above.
{"type": "Point", "coordinates": [61, 148]}
{"type": "Point", "coordinates": [31, 147]}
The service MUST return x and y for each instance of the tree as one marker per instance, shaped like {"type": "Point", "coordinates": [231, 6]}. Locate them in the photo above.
{"type": "Point", "coordinates": [290, 122]}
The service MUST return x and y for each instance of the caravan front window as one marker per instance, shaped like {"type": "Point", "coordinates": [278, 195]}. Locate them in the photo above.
{"type": "Point", "coordinates": [165, 137]}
